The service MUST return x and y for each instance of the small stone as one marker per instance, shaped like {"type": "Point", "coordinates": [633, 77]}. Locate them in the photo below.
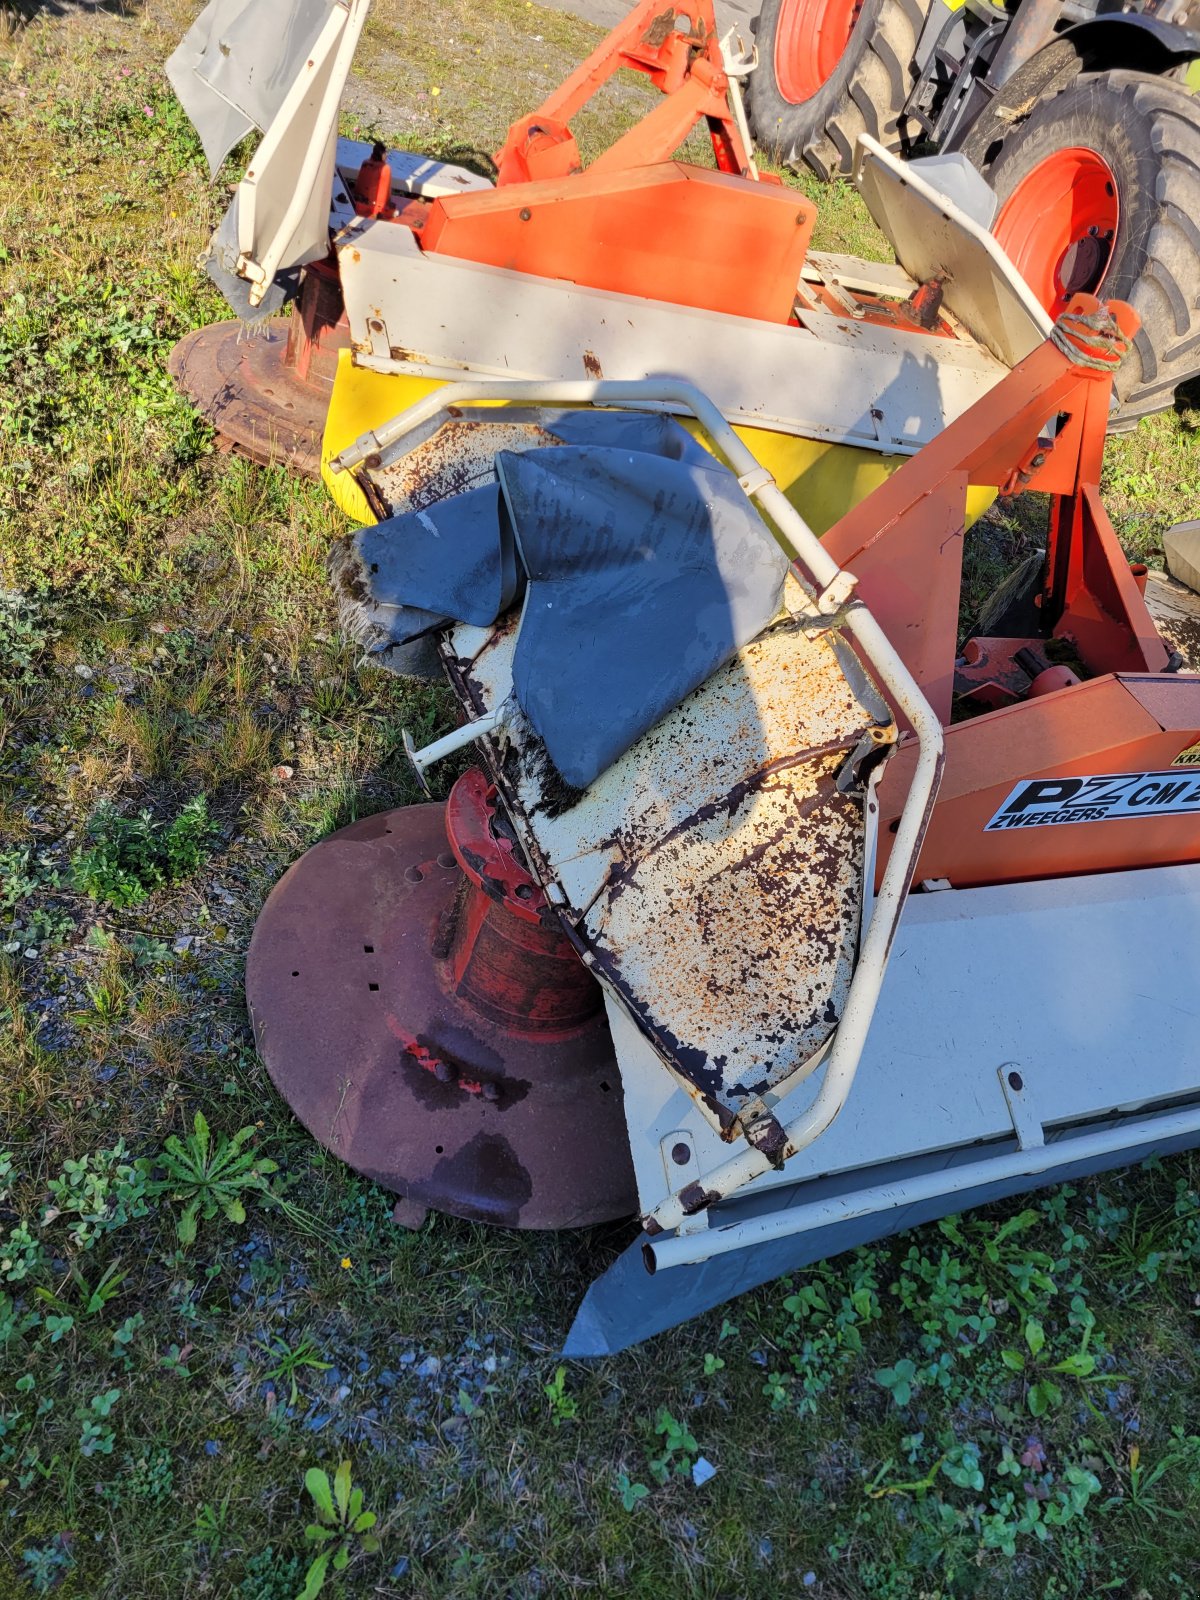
{"type": "Point", "coordinates": [84, 672]}
{"type": "Point", "coordinates": [1181, 546]}
{"type": "Point", "coordinates": [809, 1579]}
{"type": "Point", "coordinates": [429, 1368]}
{"type": "Point", "coordinates": [183, 943]}
{"type": "Point", "coordinates": [282, 773]}
{"type": "Point", "coordinates": [212, 1447]}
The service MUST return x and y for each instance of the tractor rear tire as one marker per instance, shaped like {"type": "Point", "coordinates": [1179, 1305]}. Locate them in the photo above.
{"type": "Point", "coordinates": [808, 109]}
{"type": "Point", "coordinates": [1140, 135]}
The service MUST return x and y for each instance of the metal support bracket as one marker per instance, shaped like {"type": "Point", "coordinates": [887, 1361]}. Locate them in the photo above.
{"type": "Point", "coordinates": [683, 1169]}
{"type": "Point", "coordinates": [751, 482]}
{"type": "Point", "coordinates": [835, 595]}
{"type": "Point", "coordinates": [1027, 1125]}
{"type": "Point", "coordinates": [421, 760]}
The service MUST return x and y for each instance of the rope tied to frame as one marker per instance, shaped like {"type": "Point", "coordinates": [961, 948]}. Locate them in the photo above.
{"type": "Point", "coordinates": [1091, 339]}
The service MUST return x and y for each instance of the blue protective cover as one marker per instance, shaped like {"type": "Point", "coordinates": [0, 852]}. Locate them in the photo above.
{"type": "Point", "coordinates": [645, 574]}
{"type": "Point", "coordinates": [647, 569]}
{"type": "Point", "coordinates": [453, 561]}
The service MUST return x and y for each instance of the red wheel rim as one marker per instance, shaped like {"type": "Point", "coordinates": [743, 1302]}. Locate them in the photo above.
{"type": "Point", "coordinates": [810, 40]}
{"type": "Point", "coordinates": [1059, 225]}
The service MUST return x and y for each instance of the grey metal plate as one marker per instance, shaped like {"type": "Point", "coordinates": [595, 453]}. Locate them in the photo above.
{"type": "Point", "coordinates": [1089, 985]}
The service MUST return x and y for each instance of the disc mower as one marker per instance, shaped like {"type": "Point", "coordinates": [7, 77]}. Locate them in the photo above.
{"type": "Point", "coordinates": [769, 916]}
{"type": "Point", "coordinates": [1080, 115]}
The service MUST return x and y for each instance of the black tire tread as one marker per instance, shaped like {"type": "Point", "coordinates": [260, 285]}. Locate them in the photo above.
{"type": "Point", "coordinates": [871, 102]}
{"type": "Point", "coordinates": [1161, 278]}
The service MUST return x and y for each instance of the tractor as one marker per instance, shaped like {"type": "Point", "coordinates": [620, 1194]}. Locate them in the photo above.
{"type": "Point", "coordinates": [1079, 113]}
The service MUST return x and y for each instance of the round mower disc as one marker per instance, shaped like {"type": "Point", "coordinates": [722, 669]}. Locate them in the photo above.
{"type": "Point", "coordinates": [354, 1013]}
{"type": "Point", "coordinates": [240, 383]}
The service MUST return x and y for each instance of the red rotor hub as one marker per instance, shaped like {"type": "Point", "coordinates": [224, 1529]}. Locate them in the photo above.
{"type": "Point", "coordinates": [508, 956]}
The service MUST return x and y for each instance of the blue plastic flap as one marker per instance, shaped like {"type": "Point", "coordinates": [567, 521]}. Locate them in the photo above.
{"type": "Point", "coordinates": [454, 559]}
{"type": "Point", "coordinates": [645, 575]}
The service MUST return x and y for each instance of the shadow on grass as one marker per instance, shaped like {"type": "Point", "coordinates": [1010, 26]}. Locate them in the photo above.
{"type": "Point", "coordinates": [18, 14]}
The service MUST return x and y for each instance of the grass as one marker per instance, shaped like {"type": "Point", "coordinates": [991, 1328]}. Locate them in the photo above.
{"type": "Point", "coordinates": [1004, 1405]}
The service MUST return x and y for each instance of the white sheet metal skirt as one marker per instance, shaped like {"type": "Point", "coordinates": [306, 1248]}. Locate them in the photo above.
{"type": "Point", "coordinates": [1024, 1035]}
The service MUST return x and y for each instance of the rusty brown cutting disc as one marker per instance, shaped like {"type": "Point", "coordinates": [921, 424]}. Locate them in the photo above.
{"type": "Point", "coordinates": [353, 1013]}
{"type": "Point", "coordinates": [241, 383]}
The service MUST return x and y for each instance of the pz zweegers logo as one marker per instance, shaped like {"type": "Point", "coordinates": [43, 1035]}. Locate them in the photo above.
{"type": "Point", "coordinates": [1049, 802]}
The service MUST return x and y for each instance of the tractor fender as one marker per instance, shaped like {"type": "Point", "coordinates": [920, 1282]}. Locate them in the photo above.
{"type": "Point", "coordinates": [1110, 42]}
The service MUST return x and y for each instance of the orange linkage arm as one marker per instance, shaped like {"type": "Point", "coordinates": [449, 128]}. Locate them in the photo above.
{"type": "Point", "coordinates": [678, 49]}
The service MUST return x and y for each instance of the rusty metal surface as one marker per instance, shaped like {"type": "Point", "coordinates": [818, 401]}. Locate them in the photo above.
{"type": "Point", "coordinates": [243, 387]}
{"type": "Point", "coordinates": [713, 876]}
{"type": "Point", "coordinates": [354, 1015]}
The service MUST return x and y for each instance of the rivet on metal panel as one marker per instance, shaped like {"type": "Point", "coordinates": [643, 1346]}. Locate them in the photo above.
{"type": "Point", "coordinates": [1027, 1125]}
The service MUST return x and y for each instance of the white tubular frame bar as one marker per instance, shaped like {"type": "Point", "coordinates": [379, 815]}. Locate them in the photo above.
{"type": "Point", "coordinates": [1043, 1161]}
{"type": "Point", "coordinates": [833, 585]}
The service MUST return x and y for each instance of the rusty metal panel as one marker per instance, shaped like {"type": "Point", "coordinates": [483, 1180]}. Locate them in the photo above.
{"type": "Point", "coordinates": [713, 876]}
{"type": "Point", "coordinates": [380, 1045]}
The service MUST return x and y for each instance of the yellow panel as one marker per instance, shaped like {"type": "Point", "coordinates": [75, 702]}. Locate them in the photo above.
{"type": "Point", "coordinates": [822, 480]}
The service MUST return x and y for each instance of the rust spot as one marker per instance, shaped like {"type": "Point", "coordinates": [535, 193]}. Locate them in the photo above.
{"type": "Point", "coordinates": [490, 1173]}
{"type": "Point", "coordinates": [591, 364]}
{"type": "Point", "coordinates": [768, 1137]}
{"type": "Point", "coordinates": [660, 29]}
{"type": "Point", "coordinates": [697, 1198]}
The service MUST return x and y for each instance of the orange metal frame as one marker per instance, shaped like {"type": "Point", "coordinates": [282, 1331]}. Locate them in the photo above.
{"type": "Point", "coordinates": [677, 48]}
{"type": "Point", "coordinates": [665, 232]}
{"type": "Point", "coordinates": [1130, 712]}
{"type": "Point", "coordinates": [635, 221]}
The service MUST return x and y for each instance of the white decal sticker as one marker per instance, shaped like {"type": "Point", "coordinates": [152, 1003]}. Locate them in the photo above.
{"type": "Point", "coordinates": [1047, 802]}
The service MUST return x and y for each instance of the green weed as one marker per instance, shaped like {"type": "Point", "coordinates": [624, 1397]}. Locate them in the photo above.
{"type": "Point", "coordinates": [211, 1176]}
{"type": "Point", "coordinates": [25, 634]}
{"type": "Point", "coordinates": [291, 1359]}
{"type": "Point", "coordinates": [342, 1529]}
{"type": "Point", "coordinates": [129, 857]}
{"type": "Point", "coordinates": [563, 1406]}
